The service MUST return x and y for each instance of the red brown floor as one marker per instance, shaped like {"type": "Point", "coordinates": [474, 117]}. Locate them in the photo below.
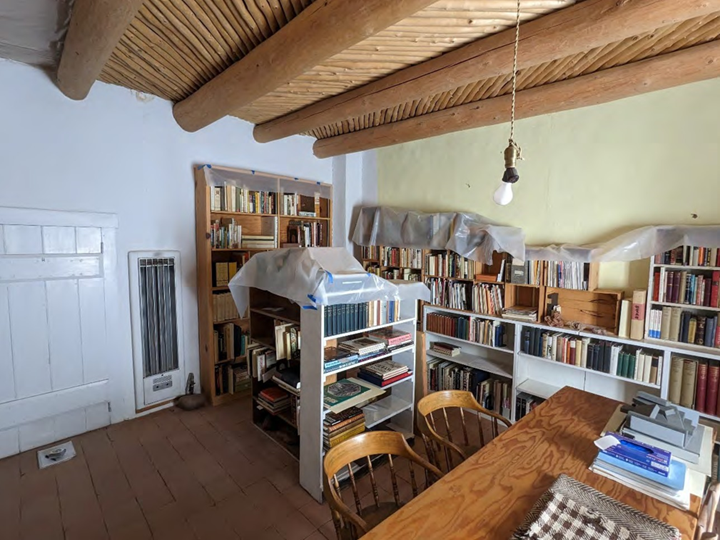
{"type": "Point", "coordinates": [175, 475]}
{"type": "Point", "coordinates": [206, 475]}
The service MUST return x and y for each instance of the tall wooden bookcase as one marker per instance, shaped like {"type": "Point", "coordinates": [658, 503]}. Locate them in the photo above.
{"type": "Point", "coordinates": [276, 223]}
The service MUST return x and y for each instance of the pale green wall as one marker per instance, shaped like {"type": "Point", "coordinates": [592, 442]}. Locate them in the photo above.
{"type": "Point", "coordinates": [588, 174]}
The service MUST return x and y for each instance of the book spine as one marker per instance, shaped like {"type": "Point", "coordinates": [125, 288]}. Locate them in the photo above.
{"type": "Point", "coordinates": [637, 323]}
{"type": "Point", "coordinates": [713, 379]}
{"type": "Point", "coordinates": [701, 389]}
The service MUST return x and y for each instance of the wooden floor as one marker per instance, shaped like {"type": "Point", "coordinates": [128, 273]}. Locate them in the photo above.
{"type": "Point", "coordinates": [207, 475]}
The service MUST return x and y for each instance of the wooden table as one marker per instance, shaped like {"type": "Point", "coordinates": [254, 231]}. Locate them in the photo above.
{"type": "Point", "coordinates": [488, 496]}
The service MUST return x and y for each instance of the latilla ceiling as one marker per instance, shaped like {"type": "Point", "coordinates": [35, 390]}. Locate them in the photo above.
{"type": "Point", "coordinates": [358, 75]}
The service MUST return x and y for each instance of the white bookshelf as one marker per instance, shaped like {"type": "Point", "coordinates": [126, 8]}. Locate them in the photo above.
{"type": "Point", "coordinates": [394, 410]}
{"type": "Point", "coordinates": [542, 377]}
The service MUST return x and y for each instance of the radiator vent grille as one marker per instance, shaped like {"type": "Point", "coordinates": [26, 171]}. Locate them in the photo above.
{"type": "Point", "coordinates": [158, 315]}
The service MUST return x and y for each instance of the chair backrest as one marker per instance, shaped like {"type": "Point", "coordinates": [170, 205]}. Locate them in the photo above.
{"type": "Point", "coordinates": [449, 445]}
{"type": "Point", "coordinates": [706, 521]}
{"type": "Point", "coordinates": [362, 447]}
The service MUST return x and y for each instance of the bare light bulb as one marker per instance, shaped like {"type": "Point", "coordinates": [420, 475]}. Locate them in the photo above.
{"type": "Point", "coordinates": [504, 194]}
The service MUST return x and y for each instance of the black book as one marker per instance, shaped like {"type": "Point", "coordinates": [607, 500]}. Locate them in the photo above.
{"type": "Point", "coordinates": [526, 340]}
{"type": "Point", "coordinates": [607, 349]}
{"type": "Point", "coordinates": [684, 325]}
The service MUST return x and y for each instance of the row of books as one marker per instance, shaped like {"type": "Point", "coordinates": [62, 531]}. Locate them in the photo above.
{"type": "Point", "coordinates": [339, 427]}
{"type": "Point", "coordinates": [484, 298]}
{"type": "Point", "coordinates": [567, 275]}
{"type": "Point", "coordinates": [407, 274]}
{"type": "Point", "coordinates": [384, 373]}
{"type": "Point", "coordinates": [261, 362]}
{"type": "Point", "coordinates": [604, 356]}
{"type": "Point", "coordinates": [690, 256]}
{"type": "Point", "coordinates": [230, 342]}
{"type": "Point", "coordinates": [231, 378]}
{"type": "Point", "coordinates": [230, 198]}
{"type": "Point", "coordinates": [344, 318]}
{"type": "Point", "coordinates": [524, 404]}
{"type": "Point", "coordinates": [493, 394]}
{"type": "Point", "coordinates": [680, 287]}
{"type": "Point", "coordinates": [448, 264]}
{"type": "Point", "coordinates": [223, 272]}
{"type": "Point", "coordinates": [305, 234]}
{"type": "Point", "coordinates": [224, 308]}
{"type": "Point", "coordinates": [225, 234]}
{"type": "Point", "coordinates": [405, 257]}
{"type": "Point", "coordinates": [645, 468]}
{"type": "Point", "coordinates": [294, 204]}
{"type": "Point", "coordinates": [694, 384]}
{"type": "Point", "coordinates": [475, 329]}
{"type": "Point", "coordinates": [371, 253]}
{"type": "Point", "coordinates": [524, 273]}
{"type": "Point", "coordinates": [677, 324]}
{"type": "Point", "coordinates": [288, 341]}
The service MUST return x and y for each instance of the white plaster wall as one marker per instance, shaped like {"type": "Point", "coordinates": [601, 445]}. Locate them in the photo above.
{"type": "Point", "coordinates": [115, 153]}
{"type": "Point", "coordinates": [354, 186]}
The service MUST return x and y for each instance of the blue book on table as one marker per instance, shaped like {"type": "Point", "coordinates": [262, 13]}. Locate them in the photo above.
{"type": "Point", "coordinates": [675, 480]}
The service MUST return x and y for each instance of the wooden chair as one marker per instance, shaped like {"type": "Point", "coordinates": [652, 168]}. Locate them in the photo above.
{"type": "Point", "coordinates": [437, 444]}
{"type": "Point", "coordinates": [706, 522]}
{"type": "Point", "coordinates": [350, 525]}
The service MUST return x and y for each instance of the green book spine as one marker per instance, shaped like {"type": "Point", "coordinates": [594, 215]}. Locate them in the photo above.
{"type": "Point", "coordinates": [631, 369]}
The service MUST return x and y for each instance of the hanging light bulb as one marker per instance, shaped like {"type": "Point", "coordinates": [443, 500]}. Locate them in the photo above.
{"type": "Point", "coordinates": [504, 194]}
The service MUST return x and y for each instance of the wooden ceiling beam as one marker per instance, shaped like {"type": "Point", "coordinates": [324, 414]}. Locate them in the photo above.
{"type": "Point", "coordinates": [576, 29]}
{"type": "Point", "coordinates": [321, 30]}
{"type": "Point", "coordinates": [96, 27]}
{"type": "Point", "coordinates": [665, 71]}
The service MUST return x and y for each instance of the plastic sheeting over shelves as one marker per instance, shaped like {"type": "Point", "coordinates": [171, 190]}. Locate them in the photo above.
{"type": "Point", "coordinates": [476, 237]}
{"type": "Point", "coordinates": [314, 277]}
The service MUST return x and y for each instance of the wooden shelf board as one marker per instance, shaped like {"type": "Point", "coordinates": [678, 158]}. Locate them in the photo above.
{"type": "Point", "coordinates": [586, 370]}
{"type": "Point", "coordinates": [221, 288]}
{"type": "Point", "coordinates": [501, 349]}
{"type": "Point", "coordinates": [472, 280]}
{"type": "Point", "coordinates": [682, 267]}
{"type": "Point", "coordinates": [273, 315]}
{"type": "Point", "coordinates": [465, 312]}
{"type": "Point", "coordinates": [384, 409]}
{"type": "Point", "coordinates": [231, 360]}
{"type": "Point", "coordinates": [262, 342]}
{"type": "Point", "coordinates": [286, 387]}
{"type": "Point", "coordinates": [236, 320]}
{"type": "Point", "coordinates": [251, 214]}
{"type": "Point", "coordinates": [476, 362]}
{"type": "Point", "coordinates": [371, 360]}
{"type": "Point", "coordinates": [368, 329]}
{"type": "Point", "coordinates": [537, 388]}
{"type": "Point", "coordinates": [306, 218]}
{"type": "Point", "coordinates": [685, 306]}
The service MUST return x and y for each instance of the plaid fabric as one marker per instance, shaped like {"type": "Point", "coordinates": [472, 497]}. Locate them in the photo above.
{"type": "Point", "coordinates": [570, 510]}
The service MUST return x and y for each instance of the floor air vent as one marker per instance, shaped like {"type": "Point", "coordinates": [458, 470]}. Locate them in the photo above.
{"type": "Point", "coordinates": [55, 454]}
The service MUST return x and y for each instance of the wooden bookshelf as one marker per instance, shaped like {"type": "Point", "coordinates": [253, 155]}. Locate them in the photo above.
{"type": "Point", "coordinates": [314, 197]}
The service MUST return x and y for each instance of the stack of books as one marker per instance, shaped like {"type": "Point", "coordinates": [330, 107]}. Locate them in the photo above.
{"type": "Point", "coordinates": [520, 313]}
{"type": "Point", "coordinates": [694, 384]}
{"type": "Point", "coordinates": [363, 347]}
{"type": "Point", "coordinates": [475, 329]}
{"type": "Point", "coordinates": [274, 399]}
{"type": "Point", "coordinates": [231, 198]}
{"type": "Point", "coordinates": [525, 403]}
{"type": "Point", "coordinates": [258, 241]}
{"type": "Point", "coordinates": [446, 349]}
{"type": "Point", "coordinates": [677, 324]}
{"type": "Point", "coordinates": [343, 318]}
{"type": "Point", "coordinates": [384, 373]}
{"type": "Point", "coordinates": [391, 338]}
{"type": "Point", "coordinates": [224, 307]}
{"type": "Point", "coordinates": [645, 468]}
{"type": "Point", "coordinates": [225, 234]}
{"type": "Point", "coordinates": [336, 359]}
{"type": "Point", "coordinates": [347, 393]}
{"type": "Point", "coordinates": [690, 256]}
{"type": "Point", "coordinates": [338, 427]}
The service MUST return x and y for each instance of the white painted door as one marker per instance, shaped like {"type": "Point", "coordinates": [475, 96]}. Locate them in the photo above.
{"type": "Point", "coordinates": [54, 276]}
